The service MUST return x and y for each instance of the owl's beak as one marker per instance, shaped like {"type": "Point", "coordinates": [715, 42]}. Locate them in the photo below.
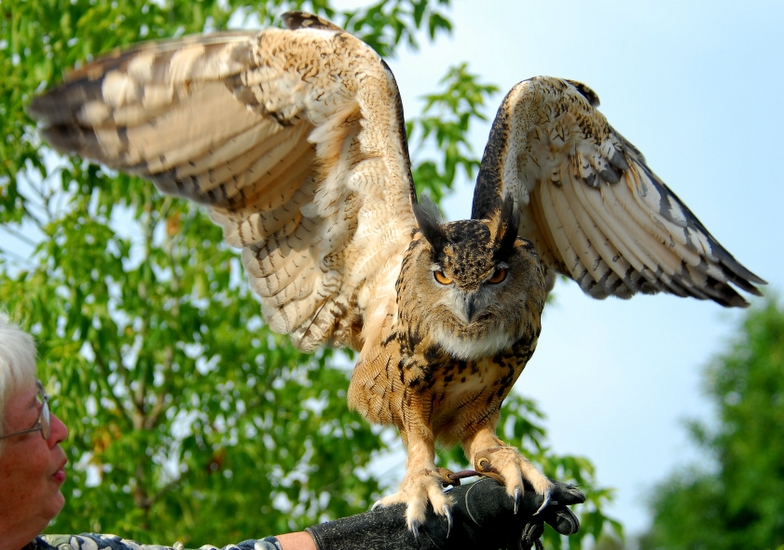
{"type": "Point", "coordinates": [470, 308]}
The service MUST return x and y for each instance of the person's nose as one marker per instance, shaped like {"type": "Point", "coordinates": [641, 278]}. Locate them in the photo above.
{"type": "Point", "coordinates": [59, 431]}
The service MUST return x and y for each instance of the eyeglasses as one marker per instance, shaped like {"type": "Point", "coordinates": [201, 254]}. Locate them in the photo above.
{"type": "Point", "coordinates": [44, 416]}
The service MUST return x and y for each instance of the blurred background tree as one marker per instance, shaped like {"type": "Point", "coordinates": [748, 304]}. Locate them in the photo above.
{"type": "Point", "coordinates": [189, 420]}
{"type": "Point", "coordinates": [739, 501]}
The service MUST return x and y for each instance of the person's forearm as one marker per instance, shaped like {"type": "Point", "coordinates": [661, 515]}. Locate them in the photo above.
{"type": "Point", "coordinates": [296, 541]}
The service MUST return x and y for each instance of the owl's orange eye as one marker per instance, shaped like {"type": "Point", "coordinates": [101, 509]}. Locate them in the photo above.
{"type": "Point", "coordinates": [441, 278]}
{"type": "Point", "coordinates": [498, 275]}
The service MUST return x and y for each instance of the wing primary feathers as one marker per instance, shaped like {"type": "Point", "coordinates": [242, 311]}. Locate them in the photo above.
{"type": "Point", "coordinates": [739, 271]}
{"type": "Point", "coordinates": [606, 256]}
{"type": "Point", "coordinates": [571, 264]}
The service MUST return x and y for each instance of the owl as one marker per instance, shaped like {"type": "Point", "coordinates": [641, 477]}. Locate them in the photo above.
{"type": "Point", "coordinates": [294, 139]}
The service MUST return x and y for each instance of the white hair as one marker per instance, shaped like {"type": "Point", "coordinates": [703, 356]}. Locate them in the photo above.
{"type": "Point", "coordinates": [17, 363]}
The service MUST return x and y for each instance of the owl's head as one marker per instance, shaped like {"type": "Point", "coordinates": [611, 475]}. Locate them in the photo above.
{"type": "Point", "coordinates": [478, 286]}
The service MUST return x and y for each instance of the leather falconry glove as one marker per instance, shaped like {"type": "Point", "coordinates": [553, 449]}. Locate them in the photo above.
{"type": "Point", "coordinates": [483, 518]}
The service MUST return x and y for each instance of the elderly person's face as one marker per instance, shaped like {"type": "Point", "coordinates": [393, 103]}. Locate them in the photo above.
{"type": "Point", "coordinates": [32, 469]}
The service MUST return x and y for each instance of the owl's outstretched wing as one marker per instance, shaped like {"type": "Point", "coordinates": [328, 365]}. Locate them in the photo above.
{"type": "Point", "coordinates": [294, 139]}
{"type": "Point", "coordinates": [592, 207]}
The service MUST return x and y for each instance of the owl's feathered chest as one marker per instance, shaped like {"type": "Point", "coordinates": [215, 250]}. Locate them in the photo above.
{"type": "Point", "coordinates": [457, 396]}
{"type": "Point", "coordinates": [405, 371]}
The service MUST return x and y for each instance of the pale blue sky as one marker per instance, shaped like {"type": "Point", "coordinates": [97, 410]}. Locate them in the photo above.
{"type": "Point", "coordinates": [697, 86]}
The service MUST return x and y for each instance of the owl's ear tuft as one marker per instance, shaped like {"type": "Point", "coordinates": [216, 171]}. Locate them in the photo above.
{"type": "Point", "coordinates": [508, 223]}
{"type": "Point", "coordinates": [430, 223]}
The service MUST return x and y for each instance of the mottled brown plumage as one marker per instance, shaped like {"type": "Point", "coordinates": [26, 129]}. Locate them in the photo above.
{"type": "Point", "coordinates": [295, 141]}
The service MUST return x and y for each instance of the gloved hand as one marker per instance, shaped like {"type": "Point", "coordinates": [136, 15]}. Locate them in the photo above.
{"type": "Point", "coordinates": [483, 518]}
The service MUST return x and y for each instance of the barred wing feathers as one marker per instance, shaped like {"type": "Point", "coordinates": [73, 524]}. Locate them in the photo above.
{"type": "Point", "coordinates": [592, 207]}
{"type": "Point", "coordinates": [293, 138]}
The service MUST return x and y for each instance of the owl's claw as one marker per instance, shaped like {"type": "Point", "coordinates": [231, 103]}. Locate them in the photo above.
{"type": "Point", "coordinates": [448, 514]}
{"type": "Point", "coordinates": [545, 502]}
{"type": "Point", "coordinates": [518, 498]}
{"type": "Point", "coordinates": [414, 528]}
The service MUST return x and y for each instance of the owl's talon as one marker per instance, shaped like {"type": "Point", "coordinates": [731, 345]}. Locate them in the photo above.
{"type": "Point", "coordinates": [518, 498]}
{"type": "Point", "coordinates": [546, 501]}
{"type": "Point", "coordinates": [448, 514]}
{"type": "Point", "coordinates": [415, 525]}
{"type": "Point", "coordinates": [376, 505]}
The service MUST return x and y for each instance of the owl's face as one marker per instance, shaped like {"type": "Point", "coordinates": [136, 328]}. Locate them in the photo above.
{"type": "Point", "coordinates": [478, 286]}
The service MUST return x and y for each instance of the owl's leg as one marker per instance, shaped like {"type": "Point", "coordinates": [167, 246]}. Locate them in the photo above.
{"type": "Point", "coordinates": [489, 455]}
{"type": "Point", "coordinates": [422, 482]}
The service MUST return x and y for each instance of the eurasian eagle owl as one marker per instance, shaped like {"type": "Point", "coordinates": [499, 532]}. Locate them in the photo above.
{"type": "Point", "coordinates": [295, 141]}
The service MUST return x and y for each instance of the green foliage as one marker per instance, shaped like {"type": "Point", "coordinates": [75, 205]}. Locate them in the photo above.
{"type": "Point", "coordinates": [443, 127]}
{"type": "Point", "coordinates": [189, 419]}
{"type": "Point", "coordinates": [739, 503]}
{"type": "Point", "coordinates": [387, 23]}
